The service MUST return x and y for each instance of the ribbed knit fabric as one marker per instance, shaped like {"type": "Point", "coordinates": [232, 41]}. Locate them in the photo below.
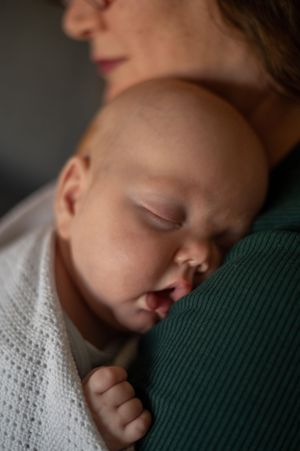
{"type": "Point", "coordinates": [221, 372]}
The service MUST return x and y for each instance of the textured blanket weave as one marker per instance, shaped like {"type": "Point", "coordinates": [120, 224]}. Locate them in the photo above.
{"type": "Point", "coordinates": [41, 402]}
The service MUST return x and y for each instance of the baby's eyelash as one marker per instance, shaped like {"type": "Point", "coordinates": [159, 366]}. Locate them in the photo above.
{"type": "Point", "coordinates": [163, 222]}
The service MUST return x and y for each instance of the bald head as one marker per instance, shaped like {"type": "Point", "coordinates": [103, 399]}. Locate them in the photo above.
{"type": "Point", "coordinates": [166, 167]}
{"type": "Point", "coordinates": [161, 120]}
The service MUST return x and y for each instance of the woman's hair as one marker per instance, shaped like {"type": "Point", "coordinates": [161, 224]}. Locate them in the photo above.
{"type": "Point", "coordinates": [273, 27]}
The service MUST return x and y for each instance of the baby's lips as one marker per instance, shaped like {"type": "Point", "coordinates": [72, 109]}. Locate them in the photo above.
{"type": "Point", "coordinates": [162, 300]}
{"type": "Point", "coordinates": [159, 300]}
{"type": "Point", "coordinates": [151, 301]}
{"type": "Point", "coordinates": [181, 289]}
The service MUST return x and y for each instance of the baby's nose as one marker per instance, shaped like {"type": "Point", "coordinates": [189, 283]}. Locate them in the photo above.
{"type": "Point", "coordinates": [194, 253]}
{"type": "Point", "coordinates": [198, 257]}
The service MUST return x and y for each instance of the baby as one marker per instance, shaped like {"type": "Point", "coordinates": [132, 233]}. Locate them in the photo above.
{"type": "Point", "coordinates": [167, 180]}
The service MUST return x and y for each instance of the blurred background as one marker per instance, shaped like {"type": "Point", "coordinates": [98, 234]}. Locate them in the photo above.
{"type": "Point", "coordinates": [48, 93]}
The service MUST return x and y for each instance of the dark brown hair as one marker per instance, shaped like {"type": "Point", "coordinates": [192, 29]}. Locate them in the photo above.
{"type": "Point", "coordinates": [273, 27]}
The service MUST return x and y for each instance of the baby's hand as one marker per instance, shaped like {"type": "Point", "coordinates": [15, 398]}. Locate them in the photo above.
{"type": "Point", "coordinates": [120, 417]}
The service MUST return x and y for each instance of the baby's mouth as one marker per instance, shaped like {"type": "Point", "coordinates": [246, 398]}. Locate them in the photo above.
{"type": "Point", "coordinates": [160, 301]}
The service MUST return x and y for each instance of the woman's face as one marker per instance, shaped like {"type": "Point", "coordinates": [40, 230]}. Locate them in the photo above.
{"type": "Point", "coordinates": [134, 40]}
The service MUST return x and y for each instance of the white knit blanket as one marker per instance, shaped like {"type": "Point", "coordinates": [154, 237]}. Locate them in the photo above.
{"type": "Point", "coordinates": [34, 210]}
{"type": "Point", "coordinates": [41, 401]}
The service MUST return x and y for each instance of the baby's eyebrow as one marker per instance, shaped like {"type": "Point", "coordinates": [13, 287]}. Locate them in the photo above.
{"type": "Point", "coordinates": [162, 187]}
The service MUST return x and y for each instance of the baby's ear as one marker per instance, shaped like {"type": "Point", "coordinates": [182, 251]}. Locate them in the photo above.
{"type": "Point", "coordinates": [71, 187]}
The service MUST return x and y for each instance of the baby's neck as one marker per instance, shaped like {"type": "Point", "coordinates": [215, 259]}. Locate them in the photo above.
{"type": "Point", "coordinates": [92, 328]}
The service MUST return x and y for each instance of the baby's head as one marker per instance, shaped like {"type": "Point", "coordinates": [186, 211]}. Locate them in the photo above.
{"type": "Point", "coordinates": [169, 178]}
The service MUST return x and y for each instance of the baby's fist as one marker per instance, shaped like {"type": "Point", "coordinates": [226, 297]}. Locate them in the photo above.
{"type": "Point", "coordinates": [119, 415]}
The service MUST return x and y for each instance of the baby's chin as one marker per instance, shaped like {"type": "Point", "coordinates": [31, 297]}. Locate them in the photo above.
{"type": "Point", "coordinates": [143, 321]}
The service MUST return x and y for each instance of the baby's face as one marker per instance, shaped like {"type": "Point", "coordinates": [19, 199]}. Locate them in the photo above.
{"type": "Point", "coordinates": [153, 221]}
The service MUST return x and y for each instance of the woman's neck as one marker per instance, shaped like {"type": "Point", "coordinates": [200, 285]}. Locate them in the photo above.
{"type": "Point", "coordinates": [274, 117]}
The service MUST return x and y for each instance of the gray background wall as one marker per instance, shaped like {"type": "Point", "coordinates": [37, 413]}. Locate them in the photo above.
{"type": "Point", "coordinates": [48, 93]}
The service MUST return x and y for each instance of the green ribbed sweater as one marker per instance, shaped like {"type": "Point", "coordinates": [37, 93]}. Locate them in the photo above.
{"type": "Point", "coordinates": [221, 372]}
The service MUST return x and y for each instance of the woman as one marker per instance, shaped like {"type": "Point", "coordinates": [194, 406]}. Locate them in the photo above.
{"type": "Point", "coordinates": [220, 372]}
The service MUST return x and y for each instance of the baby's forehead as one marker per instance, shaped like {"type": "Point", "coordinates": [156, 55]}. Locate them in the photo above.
{"type": "Point", "coordinates": [166, 110]}
{"type": "Point", "coordinates": [144, 138]}
{"type": "Point", "coordinates": [166, 125]}
{"type": "Point", "coordinates": [132, 126]}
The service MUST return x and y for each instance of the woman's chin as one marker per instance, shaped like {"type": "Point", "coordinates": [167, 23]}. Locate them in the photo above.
{"type": "Point", "coordinates": [111, 91]}
{"type": "Point", "coordinates": [113, 88]}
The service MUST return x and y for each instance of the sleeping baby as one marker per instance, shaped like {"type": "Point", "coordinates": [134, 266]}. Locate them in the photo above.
{"type": "Point", "coordinates": [168, 178]}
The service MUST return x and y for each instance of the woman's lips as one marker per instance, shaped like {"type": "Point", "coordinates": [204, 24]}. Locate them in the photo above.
{"type": "Point", "coordinates": [105, 66]}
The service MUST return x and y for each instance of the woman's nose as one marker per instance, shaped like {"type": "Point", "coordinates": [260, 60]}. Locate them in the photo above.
{"type": "Point", "coordinates": [82, 18]}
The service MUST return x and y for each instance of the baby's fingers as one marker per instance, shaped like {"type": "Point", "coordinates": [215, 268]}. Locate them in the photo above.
{"type": "Point", "coordinates": [102, 379]}
{"type": "Point", "coordinates": [137, 428]}
{"type": "Point", "coordinates": [130, 410]}
{"type": "Point", "coordinates": [118, 395]}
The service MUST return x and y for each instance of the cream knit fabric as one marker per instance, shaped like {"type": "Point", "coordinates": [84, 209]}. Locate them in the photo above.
{"type": "Point", "coordinates": [41, 402]}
